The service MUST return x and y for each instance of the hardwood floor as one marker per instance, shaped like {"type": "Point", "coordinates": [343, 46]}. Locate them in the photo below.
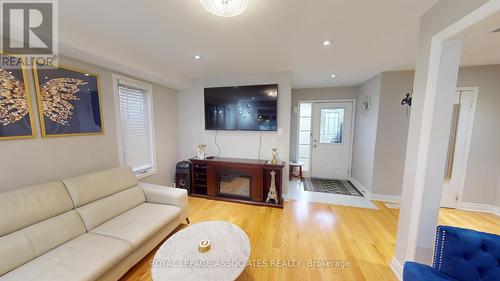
{"type": "Point", "coordinates": [361, 241]}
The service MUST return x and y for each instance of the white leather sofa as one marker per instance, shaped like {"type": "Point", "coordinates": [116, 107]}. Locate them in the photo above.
{"type": "Point", "coordinates": [92, 227]}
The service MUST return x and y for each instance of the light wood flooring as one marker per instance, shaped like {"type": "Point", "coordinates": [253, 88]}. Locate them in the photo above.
{"type": "Point", "coordinates": [361, 238]}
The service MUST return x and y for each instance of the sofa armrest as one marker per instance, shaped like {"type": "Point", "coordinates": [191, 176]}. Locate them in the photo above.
{"type": "Point", "coordinates": [465, 254]}
{"type": "Point", "coordinates": [159, 194]}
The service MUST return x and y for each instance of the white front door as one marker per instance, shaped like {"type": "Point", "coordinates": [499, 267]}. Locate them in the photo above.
{"type": "Point", "coordinates": [331, 140]}
{"type": "Point", "coordinates": [463, 118]}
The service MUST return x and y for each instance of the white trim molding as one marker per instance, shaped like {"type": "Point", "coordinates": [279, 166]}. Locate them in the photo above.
{"type": "Point", "coordinates": [366, 192]}
{"type": "Point", "coordinates": [483, 208]}
{"type": "Point", "coordinates": [397, 268]}
{"type": "Point", "coordinates": [386, 198]}
{"type": "Point", "coordinates": [396, 199]}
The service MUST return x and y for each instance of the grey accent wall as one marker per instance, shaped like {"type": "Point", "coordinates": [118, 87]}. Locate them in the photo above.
{"type": "Point", "coordinates": [365, 133]}
{"type": "Point", "coordinates": [483, 170]}
{"type": "Point", "coordinates": [315, 94]}
{"type": "Point", "coordinates": [166, 131]}
{"type": "Point", "coordinates": [30, 161]}
{"type": "Point", "coordinates": [392, 133]}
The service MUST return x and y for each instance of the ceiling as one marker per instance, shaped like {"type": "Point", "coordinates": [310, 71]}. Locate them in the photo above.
{"type": "Point", "coordinates": [481, 46]}
{"type": "Point", "coordinates": [156, 40]}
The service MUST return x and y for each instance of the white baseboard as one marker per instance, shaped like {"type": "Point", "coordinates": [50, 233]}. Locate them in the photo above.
{"type": "Point", "coordinates": [397, 268]}
{"type": "Point", "coordinates": [374, 196]}
{"type": "Point", "coordinates": [386, 198]}
{"type": "Point", "coordinates": [366, 192]}
{"type": "Point", "coordinates": [483, 208]}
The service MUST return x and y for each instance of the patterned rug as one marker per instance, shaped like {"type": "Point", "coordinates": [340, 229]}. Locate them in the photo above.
{"type": "Point", "coordinates": [331, 186]}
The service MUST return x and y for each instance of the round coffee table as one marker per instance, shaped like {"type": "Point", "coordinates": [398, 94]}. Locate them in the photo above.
{"type": "Point", "coordinates": [179, 258]}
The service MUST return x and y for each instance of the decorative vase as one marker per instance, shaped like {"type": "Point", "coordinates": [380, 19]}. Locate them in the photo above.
{"type": "Point", "coordinates": [201, 151]}
{"type": "Point", "coordinates": [274, 161]}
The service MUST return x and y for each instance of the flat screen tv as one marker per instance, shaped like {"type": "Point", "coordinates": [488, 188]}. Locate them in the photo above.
{"type": "Point", "coordinates": [242, 108]}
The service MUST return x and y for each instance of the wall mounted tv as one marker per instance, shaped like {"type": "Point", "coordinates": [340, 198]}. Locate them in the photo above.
{"type": "Point", "coordinates": [242, 108]}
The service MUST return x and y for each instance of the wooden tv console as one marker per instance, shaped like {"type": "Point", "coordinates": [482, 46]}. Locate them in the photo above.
{"type": "Point", "coordinates": [206, 174]}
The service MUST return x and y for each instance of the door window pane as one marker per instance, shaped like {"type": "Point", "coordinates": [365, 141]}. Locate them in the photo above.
{"type": "Point", "coordinates": [305, 123]}
{"type": "Point", "coordinates": [305, 109]}
{"type": "Point", "coordinates": [304, 131]}
{"type": "Point", "coordinates": [303, 151]}
{"type": "Point", "coordinates": [331, 125]}
{"type": "Point", "coordinates": [304, 138]}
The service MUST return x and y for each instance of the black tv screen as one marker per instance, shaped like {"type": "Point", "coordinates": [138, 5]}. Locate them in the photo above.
{"type": "Point", "coordinates": [244, 108]}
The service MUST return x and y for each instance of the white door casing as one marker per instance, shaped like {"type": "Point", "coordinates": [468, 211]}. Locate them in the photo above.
{"type": "Point", "coordinates": [331, 140]}
{"type": "Point", "coordinates": [453, 187]}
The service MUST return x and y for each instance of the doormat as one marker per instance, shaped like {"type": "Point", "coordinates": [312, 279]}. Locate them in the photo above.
{"type": "Point", "coordinates": [331, 186]}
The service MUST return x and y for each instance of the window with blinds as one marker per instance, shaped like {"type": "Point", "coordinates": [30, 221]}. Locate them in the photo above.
{"type": "Point", "coordinates": [136, 126]}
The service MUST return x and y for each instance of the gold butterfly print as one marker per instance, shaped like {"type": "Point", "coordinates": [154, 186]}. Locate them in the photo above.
{"type": "Point", "coordinates": [56, 94]}
{"type": "Point", "coordinates": [56, 97]}
{"type": "Point", "coordinates": [13, 100]}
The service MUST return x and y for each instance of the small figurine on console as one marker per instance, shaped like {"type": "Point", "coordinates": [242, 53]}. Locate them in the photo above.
{"type": "Point", "coordinates": [201, 151]}
{"type": "Point", "coordinates": [274, 161]}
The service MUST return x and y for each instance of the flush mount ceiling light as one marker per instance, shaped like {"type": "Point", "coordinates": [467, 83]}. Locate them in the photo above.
{"type": "Point", "coordinates": [333, 76]}
{"type": "Point", "coordinates": [225, 8]}
{"type": "Point", "coordinates": [496, 30]}
{"type": "Point", "coordinates": [327, 43]}
{"type": "Point", "coordinates": [197, 57]}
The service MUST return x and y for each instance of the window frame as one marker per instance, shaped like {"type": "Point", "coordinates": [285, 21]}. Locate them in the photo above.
{"type": "Point", "coordinates": [148, 88]}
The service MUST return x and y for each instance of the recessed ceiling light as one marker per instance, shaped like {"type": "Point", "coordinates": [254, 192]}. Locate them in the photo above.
{"type": "Point", "coordinates": [333, 75]}
{"type": "Point", "coordinates": [327, 43]}
{"type": "Point", "coordinates": [197, 57]}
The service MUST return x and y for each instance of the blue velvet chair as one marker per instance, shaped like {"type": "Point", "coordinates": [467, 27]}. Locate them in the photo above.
{"type": "Point", "coordinates": [461, 255]}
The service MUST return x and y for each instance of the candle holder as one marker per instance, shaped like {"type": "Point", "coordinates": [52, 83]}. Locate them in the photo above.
{"type": "Point", "coordinates": [204, 246]}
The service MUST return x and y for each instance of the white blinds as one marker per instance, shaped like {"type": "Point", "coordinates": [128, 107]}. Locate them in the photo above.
{"type": "Point", "coordinates": [136, 127]}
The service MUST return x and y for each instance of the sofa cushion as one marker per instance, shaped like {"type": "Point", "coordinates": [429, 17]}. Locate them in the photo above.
{"type": "Point", "coordinates": [23, 207]}
{"type": "Point", "coordinates": [91, 187]}
{"type": "Point", "coordinates": [139, 223]}
{"type": "Point", "coordinates": [84, 258]}
{"type": "Point", "coordinates": [413, 271]}
{"type": "Point", "coordinates": [35, 240]}
{"type": "Point", "coordinates": [100, 211]}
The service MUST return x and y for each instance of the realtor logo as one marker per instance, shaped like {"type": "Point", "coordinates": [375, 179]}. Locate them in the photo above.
{"type": "Point", "coordinates": [29, 28]}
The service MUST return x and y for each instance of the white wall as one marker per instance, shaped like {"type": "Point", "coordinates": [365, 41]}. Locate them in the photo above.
{"type": "Point", "coordinates": [365, 133]}
{"type": "Point", "coordinates": [234, 144]}
{"type": "Point", "coordinates": [31, 161]}
{"type": "Point", "coordinates": [315, 94]}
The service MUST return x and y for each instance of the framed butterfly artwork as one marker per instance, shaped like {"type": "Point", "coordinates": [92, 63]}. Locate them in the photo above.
{"type": "Point", "coordinates": [69, 102]}
{"type": "Point", "coordinates": [16, 111]}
